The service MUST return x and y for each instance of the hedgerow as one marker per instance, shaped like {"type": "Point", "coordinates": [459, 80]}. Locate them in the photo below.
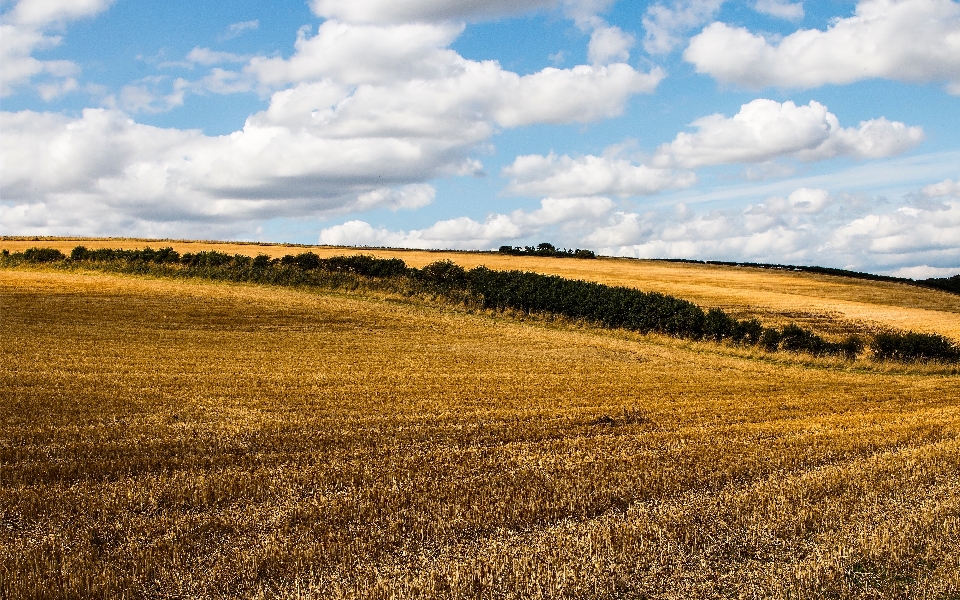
{"type": "Point", "coordinates": [910, 346]}
{"type": "Point", "coordinates": [526, 292]}
{"type": "Point", "coordinates": [546, 249]}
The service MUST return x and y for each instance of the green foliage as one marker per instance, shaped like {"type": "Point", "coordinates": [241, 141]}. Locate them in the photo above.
{"type": "Point", "coordinates": [444, 273]}
{"type": "Point", "coordinates": [770, 339]}
{"type": "Point", "coordinates": [911, 346]}
{"type": "Point", "coordinates": [42, 255]}
{"type": "Point", "coordinates": [610, 306]}
{"type": "Point", "coordinates": [718, 325]}
{"type": "Point", "coordinates": [949, 284]}
{"type": "Point", "coordinates": [546, 249]}
{"type": "Point", "coordinates": [747, 331]}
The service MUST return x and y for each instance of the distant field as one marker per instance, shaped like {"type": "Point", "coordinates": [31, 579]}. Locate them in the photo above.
{"type": "Point", "coordinates": [190, 439]}
{"type": "Point", "coordinates": [826, 303]}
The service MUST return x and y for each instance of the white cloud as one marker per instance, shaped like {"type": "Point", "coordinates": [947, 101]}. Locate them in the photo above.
{"type": "Point", "coordinates": [410, 65]}
{"type": "Point", "coordinates": [947, 187]}
{"type": "Point", "coordinates": [208, 57]}
{"type": "Point", "coordinates": [238, 29]}
{"type": "Point", "coordinates": [104, 161]}
{"type": "Point", "coordinates": [145, 96]}
{"type": "Point", "coordinates": [766, 129]}
{"type": "Point", "coordinates": [609, 44]}
{"type": "Point", "coordinates": [410, 11]}
{"type": "Point", "coordinates": [578, 95]}
{"type": "Point", "coordinates": [904, 40]}
{"type": "Point", "coordinates": [408, 197]}
{"type": "Point", "coordinates": [466, 233]}
{"type": "Point", "coordinates": [554, 211]}
{"type": "Point", "coordinates": [356, 54]}
{"type": "Point", "coordinates": [782, 9]}
{"type": "Point", "coordinates": [535, 175]}
{"type": "Point", "coordinates": [45, 12]}
{"type": "Point", "coordinates": [905, 231]}
{"type": "Point", "coordinates": [807, 226]}
{"type": "Point", "coordinates": [25, 31]}
{"type": "Point", "coordinates": [362, 127]}
{"type": "Point", "coordinates": [666, 26]}
{"type": "Point", "coordinates": [925, 272]}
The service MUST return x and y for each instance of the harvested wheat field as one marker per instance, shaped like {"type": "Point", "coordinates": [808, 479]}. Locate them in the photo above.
{"type": "Point", "coordinates": [190, 439]}
{"type": "Point", "coordinates": [826, 303]}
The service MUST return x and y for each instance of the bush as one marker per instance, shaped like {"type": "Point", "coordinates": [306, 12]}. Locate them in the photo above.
{"type": "Point", "coordinates": [444, 273]}
{"type": "Point", "coordinates": [850, 347]}
{"type": "Point", "coordinates": [770, 339]}
{"type": "Point", "coordinates": [43, 255]}
{"type": "Point", "coordinates": [747, 331]}
{"type": "Point", "coordinates": [610, 306]}
{"type": "Point", "coordinates": [718, 325]}
{"type": "Point", "coordinates": [368, 266]}
{"type": "Point", "coordinates": [911, 346]}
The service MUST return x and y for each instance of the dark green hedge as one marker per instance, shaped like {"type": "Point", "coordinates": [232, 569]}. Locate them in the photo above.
{"type": "Point", "coordinates": [911, 346]}
{"type": "Point", "coordinates": [546, 249]}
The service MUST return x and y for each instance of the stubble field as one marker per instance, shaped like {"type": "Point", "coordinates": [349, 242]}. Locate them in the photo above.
{"type": "Point", "coordinates": [190, 439]}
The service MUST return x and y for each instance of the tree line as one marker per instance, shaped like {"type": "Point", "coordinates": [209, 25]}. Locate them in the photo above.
{"type": "Point", "coordinates": [546, 249]}
{"type": "Point", "coordinates": [521, 291]}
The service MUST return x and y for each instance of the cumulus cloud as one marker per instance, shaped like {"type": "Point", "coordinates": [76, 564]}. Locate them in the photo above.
{"type": "Point", "coordinates": [766, 129]}
{"type": "Point", "coordinates": [609, 44]}
{"type": "Point", "coordinates": [535, 175]}
{"type": "Point", "coordinates": [357, 54]}
{"type": "Point", "coordinates": [806, 226]}
{"type": "Point", "coordinates": [411, 65]}
{"type": "Point", "coordinates": [103, 161]}
{"type": "Point", "coordinates": [667, 25]}
{"type": "Point", "coordinates": [809, 226]}
{"type": "Point", "coordinates": [781, 9]}
{"type": "Point", "coordinates": [947, 187]}
{"type": "Point", "coordinates": [354, 126]}
{"type": "Point", "coordinates": [25, 30]}
{"type": "Point", "coordinates": [467, 233]}
{"type": "Point", "coordinates": [903, 40]}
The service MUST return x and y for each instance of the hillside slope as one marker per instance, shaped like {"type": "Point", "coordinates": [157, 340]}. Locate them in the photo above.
{"type": "Point", "coordinates": [194, 439]}
{"type": "Point", "coordinates": [826, 303]}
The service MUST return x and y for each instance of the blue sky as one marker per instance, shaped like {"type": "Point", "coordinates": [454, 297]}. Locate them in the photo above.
{"type": "Point", "coordinates": [769, 130]}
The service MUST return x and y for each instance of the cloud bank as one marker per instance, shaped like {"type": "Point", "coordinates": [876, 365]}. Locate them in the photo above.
{"type": "Point", "coordinates": [904, 40]}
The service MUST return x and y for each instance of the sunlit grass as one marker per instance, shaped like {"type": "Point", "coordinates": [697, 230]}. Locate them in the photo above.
{"type": "Point", "coordinates": [194, 439]}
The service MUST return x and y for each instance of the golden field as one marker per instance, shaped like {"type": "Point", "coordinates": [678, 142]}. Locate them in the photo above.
{"type": "Point", "coordinates": [823, 302]}
{"type": "Point", "coordinates": [189, 439]}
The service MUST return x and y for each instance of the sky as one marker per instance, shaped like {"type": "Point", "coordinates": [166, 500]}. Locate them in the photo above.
{"type": "Point", "coordinates": [818, 133]}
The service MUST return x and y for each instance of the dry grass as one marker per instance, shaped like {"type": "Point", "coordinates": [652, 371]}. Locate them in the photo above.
{"type": "Point", "coordinates": [191, 439]}
{"type": "Point", "coordinates": [825, 303]}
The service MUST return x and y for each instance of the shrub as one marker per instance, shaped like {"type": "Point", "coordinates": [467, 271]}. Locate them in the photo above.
{"type": "Point", "coordinates": [911, 346]}
{"type": "Point", "coordinates": [797, 339]}
{"type": "Point", "coordinates": [43, 255]}
{"type": "Point", "coordinates": [444, 273]}
{"type": "Point", "coordinates": [367, 266]}
{"type": "Point", "coordinates": [209, 258]}
{"type": "Point", "coordinates": [850, 347]}
{"type": "Point", "coordinates": [718, 325]}
{"type": "Point", "coordinates": [261, 261]}
{"type": "Point", "coordinates": [770, 339]}
{"type": "Point", "coordinates": [747, 331]}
